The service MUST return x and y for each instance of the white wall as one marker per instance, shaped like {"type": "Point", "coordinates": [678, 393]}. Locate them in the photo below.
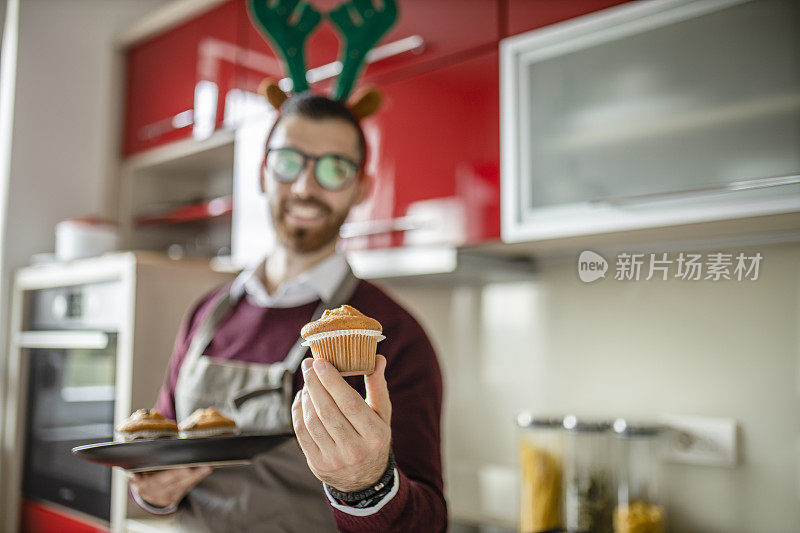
{"type": "Point", "coordinates": [62, 116]}
{"type": "Point", "coordinates": [2, 16]}
{"type": "Point", "coordinates": [638, 349]}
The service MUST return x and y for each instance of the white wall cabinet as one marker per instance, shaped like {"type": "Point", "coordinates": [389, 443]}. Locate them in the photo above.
{"type": "Point", "coordinates": [651, 114]}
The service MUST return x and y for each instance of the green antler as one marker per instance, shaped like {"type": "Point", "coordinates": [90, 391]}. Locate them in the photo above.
{"type": "Point", "coordinates": [287, 24]}
{"type": "Point", "coordinates": [359, 38]}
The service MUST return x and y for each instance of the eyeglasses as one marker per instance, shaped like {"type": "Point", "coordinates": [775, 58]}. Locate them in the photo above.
{"type": "Point", "coordinates": [332, 172]}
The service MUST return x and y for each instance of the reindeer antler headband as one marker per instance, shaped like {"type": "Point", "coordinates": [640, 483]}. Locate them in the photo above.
{"type": "Point", "coordinates": [286, 24]}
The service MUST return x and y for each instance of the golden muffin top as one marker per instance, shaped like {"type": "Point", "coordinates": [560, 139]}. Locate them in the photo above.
{"type": "Point", "coordinates": [145, 419]}
{"type": "Point", "coordinates": [344, 317]}
{"type": "Point", "coordinates": [206, 418]}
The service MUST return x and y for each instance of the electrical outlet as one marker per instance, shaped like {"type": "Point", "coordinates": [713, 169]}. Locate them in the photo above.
{"type": "Point", "coordinates": [701, 440]}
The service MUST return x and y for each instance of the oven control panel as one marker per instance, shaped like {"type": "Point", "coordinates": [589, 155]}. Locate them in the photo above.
{"type": "Point", "coordinates": [91, 306]}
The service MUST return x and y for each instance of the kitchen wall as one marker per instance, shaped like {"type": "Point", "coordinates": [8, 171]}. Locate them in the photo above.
{"type": "Point", "coordinates": [63, 116]}
{"type": "Point", "coordinates": [641, 349]}
{"type": "Point", "coordinates": [2, 16]}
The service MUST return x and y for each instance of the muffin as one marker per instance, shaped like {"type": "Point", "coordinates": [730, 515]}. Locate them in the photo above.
{"type": "Point", "coordinates": [346, 338]}
{"type": "Point", "coordinates": [207, 423]}
{"type": "Point", "coordinates": [146, 424]}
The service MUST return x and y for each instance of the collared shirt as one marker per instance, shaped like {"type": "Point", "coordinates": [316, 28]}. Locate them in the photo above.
{"type": "Point", "coordinates": [319, 282]}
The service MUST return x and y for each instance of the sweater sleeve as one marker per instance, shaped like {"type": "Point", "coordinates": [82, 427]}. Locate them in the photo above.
{"type": "Point", "coordinates": [415, 389]}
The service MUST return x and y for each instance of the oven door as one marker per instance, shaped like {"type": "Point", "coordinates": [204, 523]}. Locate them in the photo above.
{"type": "Point", "coordinates": [70, 403]}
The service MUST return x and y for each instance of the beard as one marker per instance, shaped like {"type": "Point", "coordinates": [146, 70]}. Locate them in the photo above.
{"type": "Point", "coordinates": [304, 239]}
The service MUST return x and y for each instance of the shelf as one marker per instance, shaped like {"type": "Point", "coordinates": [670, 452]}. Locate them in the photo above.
{"type": "Point", "coordinates": [185, 156]}
{"type": "Point", "coordinates": [195, 212]}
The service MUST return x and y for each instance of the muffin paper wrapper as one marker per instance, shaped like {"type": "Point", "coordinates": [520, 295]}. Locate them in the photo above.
{"type": "Point", "coordinates": [146, 434]}
{"type": "Point", "coordinates": [341, 332]}
{"type": "Point", "coordinates": [351, 351]}
{"type": "Point", "coordinates": [208, 432]}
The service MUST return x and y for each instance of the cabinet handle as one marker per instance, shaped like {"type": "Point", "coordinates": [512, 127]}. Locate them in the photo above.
{"type": "Point", "coordinates": [63, 339]}
{"type": "Point", "coordinates": [412, 43]}
{"type": "Point", "coordinates": [157, 129]}
{"type": "Point", "coordinates": [744, 185]}
{"type": "Point", "coordinates": [378, 227]}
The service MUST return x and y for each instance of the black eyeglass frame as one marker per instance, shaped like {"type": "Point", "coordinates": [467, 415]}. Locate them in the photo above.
{"type": "Point", "coordinates": [308, 157]}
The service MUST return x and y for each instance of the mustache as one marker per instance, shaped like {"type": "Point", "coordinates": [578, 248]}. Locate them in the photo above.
{"type": "Point", "coordinates": [310, 202]}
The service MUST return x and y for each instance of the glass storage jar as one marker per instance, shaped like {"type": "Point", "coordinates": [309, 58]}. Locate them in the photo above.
{"type": "Point", "coordinates": [588, 483]}
{"type": "Point", "coordinates": [540, 457]}
{"type": "Point", "coordinates": [639, 503]}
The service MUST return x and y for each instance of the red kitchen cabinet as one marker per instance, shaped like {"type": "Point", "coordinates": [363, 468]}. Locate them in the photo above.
{"type": "Point", "coordinates": [451, 29]}
{"type": "Point", "coordinates": [41, 518]}
{"type": "Point", "coordinates": [222, 49]}
{"type": "Point", "coordinates": [436, 147]}
{"type": "Point", "coordinates": [163, 72]}
{"type": "Point", "coordinates": [524, 15]}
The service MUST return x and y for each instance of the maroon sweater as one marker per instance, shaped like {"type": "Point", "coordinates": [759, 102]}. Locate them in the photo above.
{"type": "Point", "coordinates": [265, 335]}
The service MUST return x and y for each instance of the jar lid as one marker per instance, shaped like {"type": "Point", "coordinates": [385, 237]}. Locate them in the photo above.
{"type": "Point", "coordinates": [625, 428]}
{"type": "Point", "coordinates": [527, 420]}
{"type": "Point", "coordinates": [573, 423]}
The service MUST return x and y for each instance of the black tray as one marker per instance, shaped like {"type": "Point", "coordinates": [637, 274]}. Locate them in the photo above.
{"type": "Point", "coordinates": [161, 454]}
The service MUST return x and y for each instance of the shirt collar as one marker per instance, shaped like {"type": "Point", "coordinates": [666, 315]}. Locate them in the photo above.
{"type": "Point", "coordinates": [318, 283]}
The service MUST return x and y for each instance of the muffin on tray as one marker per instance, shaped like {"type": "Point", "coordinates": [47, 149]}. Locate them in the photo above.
{"type": "Point", "coordinates": [346, 338]}
{"type": "Point", "coordinates": [146, 424]}
{"type": "Point", "coordinates": [207, 423]}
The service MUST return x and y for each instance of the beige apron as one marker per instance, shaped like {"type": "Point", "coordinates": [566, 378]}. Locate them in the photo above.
{"type": "Point", "coordinates": [277, 492]}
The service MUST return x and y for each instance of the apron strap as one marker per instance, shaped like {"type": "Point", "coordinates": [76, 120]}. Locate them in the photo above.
{"type": "Point", "coordinates": [205, 332]}
{"type": "Point", "coordinates": [225, 303]}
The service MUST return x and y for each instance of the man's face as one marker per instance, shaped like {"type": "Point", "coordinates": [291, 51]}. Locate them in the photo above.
{"type": "Point", "coordinates": [306, 216]}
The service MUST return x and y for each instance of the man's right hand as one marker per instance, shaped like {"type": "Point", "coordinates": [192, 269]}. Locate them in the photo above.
{"type": "Point", "coordinates": [164, 488]}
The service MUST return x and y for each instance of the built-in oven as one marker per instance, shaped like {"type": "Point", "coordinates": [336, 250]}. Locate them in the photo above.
{"type": "Point", "coordinates": [71, 345]}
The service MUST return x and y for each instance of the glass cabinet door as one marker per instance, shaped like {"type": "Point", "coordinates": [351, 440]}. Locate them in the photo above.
{"type": "Point", "coordinates": [652, 114]}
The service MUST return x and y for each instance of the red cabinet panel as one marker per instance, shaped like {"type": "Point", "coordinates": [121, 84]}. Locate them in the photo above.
{"type": "Point", "coordinates": [524, 15]}
{"type": "Point", "coordinates": [436, 147]}
{"type": "Point", "coordinates": [448, 27]}
{"type": "Point", "coordinates": [40, 518]}
{"type": "Point", "coordinates": [163, 71]}
{"type": "Point", "coordinates": [223, 47]}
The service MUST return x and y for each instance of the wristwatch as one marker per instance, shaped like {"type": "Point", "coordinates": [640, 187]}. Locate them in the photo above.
{"type": "Point", "coordinates": [370, 495]}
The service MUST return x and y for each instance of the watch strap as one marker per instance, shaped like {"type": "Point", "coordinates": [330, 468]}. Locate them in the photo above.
{"type": "Point", "coordinates": [370, 495]}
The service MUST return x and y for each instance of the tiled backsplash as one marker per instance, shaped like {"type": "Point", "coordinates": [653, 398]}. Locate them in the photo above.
{"type": "Point", "coordinates": [626, 348]}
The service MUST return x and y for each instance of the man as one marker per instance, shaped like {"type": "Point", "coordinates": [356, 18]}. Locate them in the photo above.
{"type": "Point", "coordinates": [369, 448]}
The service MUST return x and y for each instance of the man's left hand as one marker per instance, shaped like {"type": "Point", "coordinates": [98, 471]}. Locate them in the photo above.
{"type": "Point", "coordinates": [345, 438]}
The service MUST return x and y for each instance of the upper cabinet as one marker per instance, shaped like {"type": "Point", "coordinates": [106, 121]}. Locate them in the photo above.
{"type": "Point", "coordinates": [651, 114]}
{"type": "Point", "coordinates": [526, 15]}
{"type": "Point", "coordinates": [191, 79]}
{"type": "Point", "coordinates": [436, 159]}
{"type": "Point", "coordinates": [175, 81]}
{"type": "Point", "coordinates": [425, 33]}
